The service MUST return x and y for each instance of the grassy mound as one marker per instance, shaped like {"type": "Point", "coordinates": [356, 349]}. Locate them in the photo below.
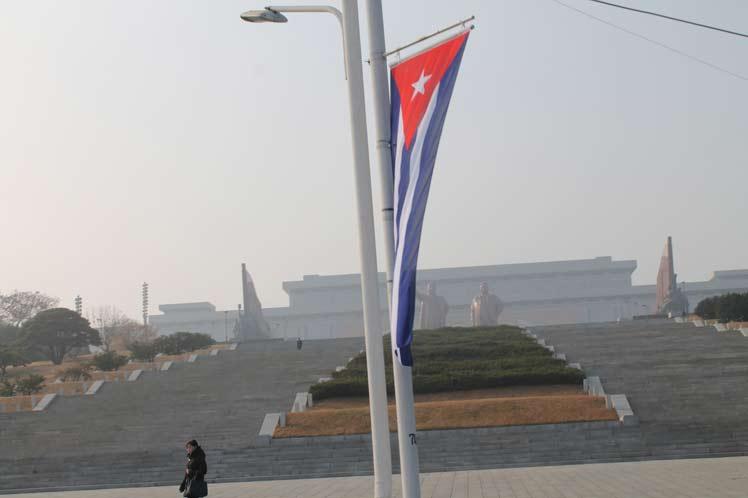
{"type": "Point", "coordinates": [460, 359]}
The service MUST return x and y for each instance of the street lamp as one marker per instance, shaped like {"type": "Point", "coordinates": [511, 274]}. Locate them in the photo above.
{"type": "Point", "coordinates": [373, 329]}
{"type": "Point", "coordinates": [266, 15]}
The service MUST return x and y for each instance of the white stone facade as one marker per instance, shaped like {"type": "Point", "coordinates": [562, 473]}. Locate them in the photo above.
{"type": "Point", "coordinates": [579, 291]}
{"type": "Point", "coordinates": [195, 317]}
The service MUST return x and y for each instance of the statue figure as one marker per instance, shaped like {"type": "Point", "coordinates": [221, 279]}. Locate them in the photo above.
{"type": "Point", "coordinates": [486, 308]}
{"type": "Point", "coordinates": [675, 303]}
{"type": "Point", "coordinates": [433, 308]}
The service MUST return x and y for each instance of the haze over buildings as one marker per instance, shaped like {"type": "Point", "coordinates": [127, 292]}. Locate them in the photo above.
{"type": "Point", "coordinates": [547, 293]}
{"type": "Point", "coordinates": [168, 141]}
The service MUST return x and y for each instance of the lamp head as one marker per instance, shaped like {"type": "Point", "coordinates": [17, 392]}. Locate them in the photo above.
{"type": "Point", "coordinates": [266, 15]}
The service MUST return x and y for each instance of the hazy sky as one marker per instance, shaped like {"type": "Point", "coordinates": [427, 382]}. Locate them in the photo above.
{"type": "Point", "coordinates": [168, 141]}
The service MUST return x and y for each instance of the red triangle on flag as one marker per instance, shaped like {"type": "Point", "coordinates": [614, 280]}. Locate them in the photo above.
{"type": "Point", "coordinates": [417, 77]}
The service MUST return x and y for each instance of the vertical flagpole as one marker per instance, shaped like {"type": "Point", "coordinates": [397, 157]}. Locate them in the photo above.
{"type": "Point", "coordinates": [380, 433]}
{"type": "Point", "coordinates": [403, 377]}
{"type": "Point", "coordinates": [672, 283]}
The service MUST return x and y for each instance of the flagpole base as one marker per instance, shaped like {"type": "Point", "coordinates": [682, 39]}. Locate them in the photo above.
{"type": "Point", "coordinates": [407, 438]}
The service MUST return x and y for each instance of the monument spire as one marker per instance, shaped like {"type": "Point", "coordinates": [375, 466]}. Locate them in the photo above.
{"type": "Point", "coordinates": [252, 323]}
{"type": "Point", "coordinates": [672, 264]}
{"type": "Point", "coordinates": [670, 300]}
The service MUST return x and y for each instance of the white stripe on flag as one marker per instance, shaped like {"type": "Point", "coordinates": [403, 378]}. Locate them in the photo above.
{"type": "Point", "coordinates": [398, 160]}
{"type": "Point", "coordinates": [415, 163]}
{"type": "Point", "coordinates": [415, 167]}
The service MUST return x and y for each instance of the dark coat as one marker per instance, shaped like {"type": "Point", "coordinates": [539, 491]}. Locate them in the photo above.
{"type": "Point", "coordinates": [196, 468]}
{"type": "Point", "coordinates": [196, 465]}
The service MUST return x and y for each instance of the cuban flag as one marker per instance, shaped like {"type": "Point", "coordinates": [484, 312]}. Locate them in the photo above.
{"type": "Point", "coordinates": [420, 90]}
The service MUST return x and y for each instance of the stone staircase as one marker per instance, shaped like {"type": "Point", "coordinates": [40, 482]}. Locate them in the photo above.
{"type": "Point", "coordinates": [688, 385]}
{"type": "Point", "coordinates": [135, 431]}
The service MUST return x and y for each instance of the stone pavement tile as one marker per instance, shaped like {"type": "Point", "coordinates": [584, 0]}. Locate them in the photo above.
{"type": "Point", "coordinates": [459, 487]}
{"type": "Point", "coordinates": [444, 484]}
{"type": "Point", "coordinates": [697, 478]}
{"type": "Point", "coordinates": [474, 488]}
{"type": "Point", "coordinates": [428, 486]}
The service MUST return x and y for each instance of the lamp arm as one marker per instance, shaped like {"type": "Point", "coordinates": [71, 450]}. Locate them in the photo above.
{"type": "Point", "coordinates": [318, 8]}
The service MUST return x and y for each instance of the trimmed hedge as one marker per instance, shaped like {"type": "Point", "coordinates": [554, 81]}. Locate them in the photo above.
{"type": "Point", "coordinates": [460, 359]}
{"type": "Point", "coordinates": [182, 342]}
{"type": "Point", "coordinates": [725, 308]}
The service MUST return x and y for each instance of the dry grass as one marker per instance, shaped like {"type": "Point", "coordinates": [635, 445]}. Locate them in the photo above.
{"type": "Point", "coordinates": [113, 376]}
{"type": "Point", "coordinates": [737, 325]}
{"type": "Point", "coordinates": [67, 388]}
{"type": "Point", "coordinates": [454, 413]}
{"type": "Point", "coordinates": [51, 372]}
{"type": "Point", "coordinates": [19, 403]}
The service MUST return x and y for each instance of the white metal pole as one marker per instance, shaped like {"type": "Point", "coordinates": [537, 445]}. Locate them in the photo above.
{"type": "Point", "coordinates": [380, 432]}
{"type": "Point", "coordinates": [403, 376]}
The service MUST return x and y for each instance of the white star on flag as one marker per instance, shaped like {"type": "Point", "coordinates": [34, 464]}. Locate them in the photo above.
{"type": "Point", "coordinates": [420, 85]}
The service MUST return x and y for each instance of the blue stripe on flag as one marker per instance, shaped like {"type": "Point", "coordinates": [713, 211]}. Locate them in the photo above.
{"type": "Point", "coordinates": [406, 250]}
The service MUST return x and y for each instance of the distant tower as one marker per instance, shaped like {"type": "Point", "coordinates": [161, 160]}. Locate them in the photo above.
{"type": "Point", "coordinates": [670, 299]}
{"type": "Point", "coordinates": [79, 305]}
{"type": "Point", "coordinates": [145, 304]}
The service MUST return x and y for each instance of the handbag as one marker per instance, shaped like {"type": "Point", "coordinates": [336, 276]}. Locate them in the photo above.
{"type": "Point", "coordinates": [196, 489]}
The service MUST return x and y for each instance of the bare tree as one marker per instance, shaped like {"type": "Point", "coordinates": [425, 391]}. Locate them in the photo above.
{"type": "Point", "coordinates": [117, 330]}
{"type": "Point", "coordinates": [107, 319]}
{"type": "Point", "coordinates": [19, 306]}
{"type": "Point", "coordinates": [134, 331]}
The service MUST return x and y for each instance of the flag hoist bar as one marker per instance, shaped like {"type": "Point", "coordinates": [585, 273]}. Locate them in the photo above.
{"type": "Point", "coordinates": [435, 33]}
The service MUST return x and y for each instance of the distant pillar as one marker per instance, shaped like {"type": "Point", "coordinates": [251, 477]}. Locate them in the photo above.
{"type": "Point", "coordinates": [145, 304]}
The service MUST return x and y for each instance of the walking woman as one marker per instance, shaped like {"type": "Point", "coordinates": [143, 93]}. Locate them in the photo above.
{"type": "Point", "coordinates": [194, 485]}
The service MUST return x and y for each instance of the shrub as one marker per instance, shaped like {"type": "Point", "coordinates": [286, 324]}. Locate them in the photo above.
{"type": "Point", "coordinates": [725, 308]}
{"type": "Point", "coordinates": [10, 357]}
{"type": "Point", "coordinates": [7, 388]}
{"type": "Point", "coordinates": [182, 342]}
{"type": "Point", "coordinates": [109, 361]}
{"type": "Point", "coordinates": [31, 384]}
{"type": "Point", "coordinates": [458, 359]}
{"type": "Point", "coordinates": [143, 351]}
{"type": "Point", "coordinates": [75, 374]}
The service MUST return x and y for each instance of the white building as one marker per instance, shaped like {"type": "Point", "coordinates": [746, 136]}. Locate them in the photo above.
{"type": "Point", "coordinates": [578, 291]}
{"type": "Point", "coordinates": [195, 317]}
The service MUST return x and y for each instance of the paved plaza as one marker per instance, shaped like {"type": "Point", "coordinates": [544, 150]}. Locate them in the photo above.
{"type": "Point", "coordinates": [697, 478]}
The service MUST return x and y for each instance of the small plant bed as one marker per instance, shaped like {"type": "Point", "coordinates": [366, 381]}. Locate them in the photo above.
{"type": "Point", "coordinates": [332, 420]}
{"type": "Point", "coordinates": [460, 359]}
